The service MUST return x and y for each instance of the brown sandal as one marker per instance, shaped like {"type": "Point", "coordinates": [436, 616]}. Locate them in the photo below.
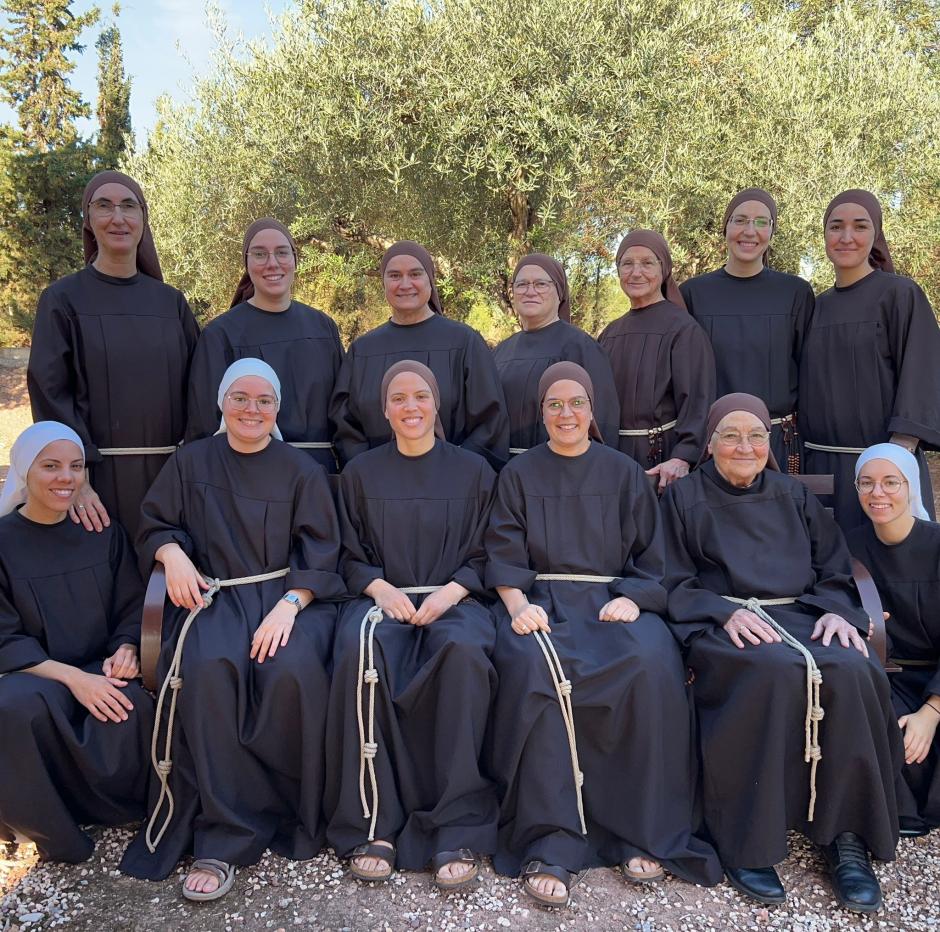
{"type": "Point", "coordinates": [641, 876]}
{"type": "Point", "coordinates": [381, 852]}
{"type": "Point", "coordinates": [533, 868]}
{"type": "Point", "coordinates": [443, 858]}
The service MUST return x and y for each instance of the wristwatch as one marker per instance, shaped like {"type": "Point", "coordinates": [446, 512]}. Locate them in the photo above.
{"type": "Point", "coordinates": [292, 599]}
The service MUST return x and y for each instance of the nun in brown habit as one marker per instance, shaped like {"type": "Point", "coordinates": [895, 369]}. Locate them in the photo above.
{"type": "Point", "coordinates": [663, 365]}
{"type": "Point", "coordinates": [869, 371]}
{"type": "Point", "coordinates": [110, 354]}
{"type": "Point", "coordinates": [264, 321]}
{"type": "Point", "coordinates": [574, 549]}
{"type": "Point", "coordinates": [412, 681]}
{"type": "Point", "coordinates": [755, 318]}
{"type": "Point", "coordinates": [795, 720]}
{"type": "Point", "coordinates": [540, 298]}
{"type": "Point", "coordinates": [472, 412]}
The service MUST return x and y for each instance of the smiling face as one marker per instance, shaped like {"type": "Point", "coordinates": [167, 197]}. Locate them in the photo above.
{"type": "Point", "coordinates": [740, 463]}
{"type": "Point", "coordinates": [566, 412]}
{"type": "Point", "coordinates": [117, 232]}
{"type": "Point", "coordinates": [248, 412]}
{"type": "Point", "coordinates": [271, 267]}
{"type": "Point", "coordinates": [884, 507]}
{"type": "Point", "coordinates": [641, 276]}
{"type": "Point", "coordinates": [534, 297]}
{"type": "Point", "coordinates": [409, 406]}
{"type": "Point", "coordinates": [53, 481]}
{"type": "Point", "coordinates": [850, 235]}
{"type": "Point", "coordinates": [747, 235]}
{"type": "Point", "coordinates": [407, 285]}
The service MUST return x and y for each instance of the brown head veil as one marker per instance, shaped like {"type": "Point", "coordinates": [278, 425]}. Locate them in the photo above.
{"type": "Point", "coordinates": [245, 288]}
{"type": "Point", "coordinates": [657, 245]}
{"type": "Point", "coordinates": [147, 260]}
{"type": "Point", "coordinates": [752, 194]}
{"type": "Point", "coordinates": [879, 257]}
{"type": "Point", "coordinates": [555, 271]}
{"type": "Point", "coordinates": [575, 373]}
{"type": "Point", "coordinates": [422, 371]}
{"type": "Point", "coordinates": [728, 404]}
{"type": "Point", "coordinates": [408, 247]}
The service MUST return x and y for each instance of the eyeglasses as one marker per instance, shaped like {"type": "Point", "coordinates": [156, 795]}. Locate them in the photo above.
{"type": "Point", "coordinates": [646, 265]}
{"type": "Point", "coordinates": [741, 221]}
{"type": "Point", "coordinates": [541, 286]}
{"type": "Point", "coordinates": [282, 255]}
{"type": "Point", "coordinates": [575, 405]}
{"type": "Point", "coordinates": [104, 208]}
{"type": "Point", "coordinates": [890, 486]}
{"type": "Point", "coordinates": [731, 438]}
{"type": "Point", "coordinates": [240, 401]}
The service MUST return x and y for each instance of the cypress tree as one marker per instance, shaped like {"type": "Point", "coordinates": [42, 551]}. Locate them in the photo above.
{"type": "Point", "coordinates": [114, 96]}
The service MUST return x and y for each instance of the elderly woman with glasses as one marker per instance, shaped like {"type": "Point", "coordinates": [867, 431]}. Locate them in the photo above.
{"type": "Point", "coordinates": [900, 545]}
{"type": "Point", "coordinates": [663, 366]}
{"type": "Point", "coordinates": [245, 528]}
{"type": "Point", "coordinates": [755, 317]}
{"type": "Point", "coordinates": [541, 300]}
{"type": "Point", "coordinates": [110, 355]}
{"type": "Point", "coordinates": [301, 343]}
{"type": "Point", "coordinates": [795, 719]}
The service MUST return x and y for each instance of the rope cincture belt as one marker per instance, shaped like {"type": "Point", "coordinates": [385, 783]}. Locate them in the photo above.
{"type": "Point", "coordinates": [515, 451]}
{"type": "Point", "coordinates": [369, 676]}
{"type": "Point", "coordinates": [812, 752]}
{"type": "Point", "coordinates": [648, 431]}
{"type": "Point", "coordinates": [137, 451]}
{"type": "Point", "coordinates": [828, 448]}
{"type": "Point", "coordinates": [311, 444]}
{"type": "Point", "coordinates": [174, 681]}
{"type": "Point", "coordinates": [563, 685]}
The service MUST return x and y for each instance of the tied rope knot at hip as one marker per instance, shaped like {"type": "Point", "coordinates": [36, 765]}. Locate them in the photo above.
{"type": "Point", "coordinates": [174, 682]}
{"type": "Point", "coordinates": [812, 750]}
{"type": "Point", "coordinates": [563, 686]}
{"type": "Point", "coordinates": [368, 675]}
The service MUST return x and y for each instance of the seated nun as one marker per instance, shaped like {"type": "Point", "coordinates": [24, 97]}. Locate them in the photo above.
{"type": "Point", "coordinates": [74, 728]}
{"type": "Point", "coordinates": [900, 546]}
{"type": "Point", "coordinates": [412, 682]}
{"type": "Point", "coordinates": [762, 598]}
{"type": "Point", "coordinates": [246, 530]}
{"type": "Point", "coordinates": [590, 677]}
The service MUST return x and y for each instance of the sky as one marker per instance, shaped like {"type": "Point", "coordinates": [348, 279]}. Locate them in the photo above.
{"type": "Point", "coordinates": [167, 44]}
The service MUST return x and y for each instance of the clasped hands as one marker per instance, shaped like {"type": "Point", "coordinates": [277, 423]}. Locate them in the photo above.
{"type": "Point", "coordinates": [396, 604]}
{"type": "Point", "coordinates": [531, 617]}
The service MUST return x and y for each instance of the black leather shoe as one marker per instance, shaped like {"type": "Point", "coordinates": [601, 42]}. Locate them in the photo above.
{"type": "Point", "coordinates": [759, 883]}
{"type": "Point", "coordinates": [853, 881]}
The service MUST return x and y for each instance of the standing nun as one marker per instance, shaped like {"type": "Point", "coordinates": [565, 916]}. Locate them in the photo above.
{"type": "Point", "coordinates": [574, 549]}
{"type": "Point", "coordinates": [755, 318]}
{"type": "Point", "coordinates": [900, 545]}
{"type": "Point", "coordinates": [472, 409]}
{"type": "Point", "coordinates": [540, 298]}
{"type": "Point", "coordinates": [74, 729]}
{"type": "Point", "coordinates": [244, 769]}
{"type": "Point", "coordinates": [416, 688]}
{"type": "Point", "coordinates": [869, 370]}
{"type": "Point", "coordinates": [299, 342]}
{"type": "Point", "coordinates": [110, 355]}
{"type": "Point", "coordinates": [663, 365]}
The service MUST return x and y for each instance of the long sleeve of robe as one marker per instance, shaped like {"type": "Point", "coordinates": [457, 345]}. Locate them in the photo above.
{"type": "Point", "coordinates": [110, 358]}
{"type": "Point", "coordinates": [522, 358]}
{"type": "Point", "coordinates": [664, 370]}
{"type": "Point", "coordinates": [72, 597]}
{"type": "Point", "coordinates": [473, 411]}
{"type": "Point", "coordinates": [303, 347]}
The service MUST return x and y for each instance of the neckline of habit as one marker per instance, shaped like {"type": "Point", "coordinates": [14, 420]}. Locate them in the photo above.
{"type": "Point", "coordinates": [650, 307]}
{"type": "Point", "coordinates": [261, 310]}
{"type": "Point", "coordinates": [570, 459]}
{"type": "Point", "coordinates": [40, 524]}
{"type": "Point", "coordinates": [420, 323]}
{"type": "Point", "coordinates": [710, 470]}
{"type": "Point", "coordinates": [231, 449]}
{"type": "Point", "coordinates": [915, 531]}
{"type": "Point", "coordinates": [544, 329]}
{"type": "Point", "coordinates": [113, 279]}
{"type": "Point", "coordinates": [760, 276]}
{"type": "Point", "coordinates": [871, 276]}
{"type": "Point", "coordinates": [393, 443]}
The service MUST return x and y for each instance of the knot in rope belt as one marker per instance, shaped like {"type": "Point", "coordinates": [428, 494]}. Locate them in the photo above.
{"type": "Point", "coordinates": [812, 752]}
{"type": "Point", "coordinates": [648, 431]}
{"type": "Point", "coordinates": [369, 676]}
{"type": "Point", "coordinates": [174, 682]}
{"type": "Point", "coordinates": [563, 685]}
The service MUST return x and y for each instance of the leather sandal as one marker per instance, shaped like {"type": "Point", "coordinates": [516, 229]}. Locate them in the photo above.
{"type": "Point", "coordinates": [533, 868]}
{"type": "Point", "coordinates": [641, 876]}
{"type": "Point", "coordinates": [224, 871]}
{"type": "Point", "coordinates": [461, 856]}
{"type": "Point", "coordinates": [385, 853]}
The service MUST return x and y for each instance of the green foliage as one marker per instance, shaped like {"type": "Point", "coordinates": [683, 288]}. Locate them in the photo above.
{"type": "Point", "coordinates": [114, 97]}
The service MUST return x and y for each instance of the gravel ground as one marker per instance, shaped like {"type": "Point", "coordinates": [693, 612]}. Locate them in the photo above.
{"type": "Point", "coordinates": [281, 895]}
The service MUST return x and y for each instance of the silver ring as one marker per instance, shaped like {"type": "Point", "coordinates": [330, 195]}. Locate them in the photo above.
{"type": "Point", "coordinates": [81, 507]}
